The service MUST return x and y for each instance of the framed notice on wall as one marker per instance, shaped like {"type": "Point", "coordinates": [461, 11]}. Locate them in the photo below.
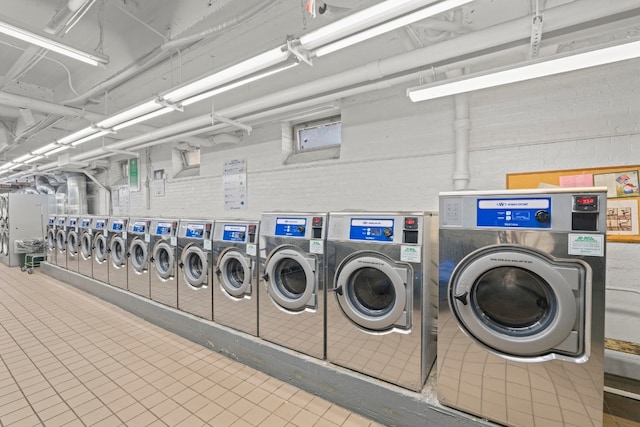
{"type": "Point", "coordinates": [623, 193]}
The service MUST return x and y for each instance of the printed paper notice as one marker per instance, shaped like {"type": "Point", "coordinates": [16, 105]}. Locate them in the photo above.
{"type": "Point", "coordinates": [234, 179]}
{"type": "Point", "coordinates": [586, 244]}
{"type": "Point", "coordinates": [622, 217]}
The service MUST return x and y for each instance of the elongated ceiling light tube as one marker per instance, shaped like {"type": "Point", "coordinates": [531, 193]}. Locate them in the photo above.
{"type": "Point", "coordinates": [529, 71]}
{"type": "Point", "coordinates": [46, 148]}
{"type": "Point", "coordinates": [88, 131]}
{"type": "Point", "coordinates": [143, 118]}
{"type": "Point", "coordinates": [129, 114]}
{"type": "Point", "coordinates": [241, 69]}
{"type": "Point", "coordinates": [21, 159]}
{"type": "Point", "coordinates": [390, 26]}
{"type": "Point", "coordinates": [49, 42]}
{"type": "Point", "coordinates": [33, 159]}
{"type": "Point", "coordinates": [58, 150]}
{"type": "Point", "coordinates": [89, 138]}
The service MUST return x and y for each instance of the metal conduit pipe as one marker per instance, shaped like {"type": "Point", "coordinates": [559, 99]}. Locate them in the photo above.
{"type": "Point", "coordinates": [462, 124]}
{"type": "Point", "coordinates": [489, 39]}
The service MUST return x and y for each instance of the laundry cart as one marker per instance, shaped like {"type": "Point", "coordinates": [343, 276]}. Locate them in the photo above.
{"type": "Point", "coordinates": [33, 252]}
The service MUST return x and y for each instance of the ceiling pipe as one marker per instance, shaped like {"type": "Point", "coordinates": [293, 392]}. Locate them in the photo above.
{"type": "Point", "coordinates": [490, 40]}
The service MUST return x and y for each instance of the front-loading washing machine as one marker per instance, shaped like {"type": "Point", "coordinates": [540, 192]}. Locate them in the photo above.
{"type": "Point", "coordinates": [117, 243]}
{"type": "Point", "coordinates": [61, 241]}
{"type": "Point", "coordinates": [235, 278]}
{"type": "Point", "coordinates": [100, 249]}
{"type": "Point", "coordinates": [85, 238]}
{"type": "Point", "coordinates": [163, 267]}
{"type": "Point", "coordinates": [292, 281]}
{"type": "Point", "coordinates": [73, 243]}
{"type": "Point", "coordinates": [522, 290]}
{"type": "Point", "coordinates": [50, 239]}
{"type": "Point", "coordinates": [138, 240]}
{"type": "Point", "coordinates": [382, 294]}
{"type": "Point", "coordinates": [196, 262]}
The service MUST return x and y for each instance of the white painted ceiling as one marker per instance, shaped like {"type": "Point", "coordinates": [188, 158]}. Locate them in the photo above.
{"type": "Point", "coordinates": [155, 45]}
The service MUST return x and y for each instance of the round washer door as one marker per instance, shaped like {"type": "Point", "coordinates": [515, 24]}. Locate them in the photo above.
{"type": "Point", "coordinates": [195, 265]}
{"type": "Point", "coordinates": [373, 292]}
{"type": "Point", "coordinates": [100, 248]}
{"type": "Point", "coordinates": [51, 239]}
{"type": "Point", "coordinates": [117, 249]}
{"type": "Point", "coordinates": [290, 279]}
{"type": "Point", "coordinates": [514, 300]}
{"type": "Point", "coordinates": [139, 255]}
{"type": "Point", "coordinates": [85, 245]}
{"type": "Point", "coordinates": [72, 242]}
{"type": "Point", "coordinates": [234, 273]}
{"type": "Point", "coordinates": [164, 260]}
{"type": "Point", "coordinates": [60, 240]}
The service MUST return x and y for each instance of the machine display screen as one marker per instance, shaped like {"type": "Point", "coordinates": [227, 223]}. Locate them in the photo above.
{"type": "Point", "coordinates": [85, 223]}
{"type": "Point", "coordinates": [163, 228]}
{"type": "Point", "coordinates": [293, 227]}
{"type": "Point", "coordinates": [117, 226]}
{"type": "Point", "coordinates": [378, 229]}
{"type": "Point", "coordinates": [513, 213]}
{"type": "Point", "coordinates": [139, 227]}
{"type": "Point", "coordinates": [61, 221]}
{"type": "Point", "coordinates": [52, 221]}
{"type": "Point", "coordinates": [73, 222]}
{"type": "Point", "coordinates": [100, 224]}
{"type": "Point", "coordinates": [234, 233]}
{"type": "Point", "coordinates": [195, 231]}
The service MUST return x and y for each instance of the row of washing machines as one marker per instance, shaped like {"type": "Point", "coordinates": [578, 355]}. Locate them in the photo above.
{"type": "Point", "coordinates": [506, 287]}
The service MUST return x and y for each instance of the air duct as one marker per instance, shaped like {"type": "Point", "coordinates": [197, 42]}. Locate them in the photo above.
{"type": "Point", "coordinates": [76, 194]}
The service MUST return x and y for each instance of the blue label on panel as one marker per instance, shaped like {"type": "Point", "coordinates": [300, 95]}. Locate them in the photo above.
{"type": "Point", "coordinates": [163, 228]}
{"type": "Point", "coordinates": [85, 223]}
{"type": "Point", "coordinates": [100, 225]}
{"type": "Point", "coordinates": [513, 213]}
{"type": "Point", "coordinates": [72, 222]}
{"type": "Point", "coordinates": [52, 221]}
{"type": "Point", "coordinates": [117, 226]}
{"type": "Point", "coordinates": [380, 230]}
{"type": "Point", "coordinates": [293, 227]}
{"type": "Point", "coordinates": [195, 231]}
{"type": "Point", "coordinates": [139, 227]}
{"type": "Point", "coordinates": [234, 233]}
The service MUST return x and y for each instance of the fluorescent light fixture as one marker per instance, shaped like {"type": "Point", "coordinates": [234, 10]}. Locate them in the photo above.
{"type": "Point", "coordinates": [21, 159]}
{"type": "Point", "coordinates": [237, 83]}
{"type": "Point", "coordinates": [528, 71]}
{"type": "Point", "coordinates": [7, 166]}
{"type": "Point", "coordinates": [129, 114]}
{"type": "Point", "coordinates": [33, 159]}
{"type": "Point", "coordinates": [143, 118]}
{"type": "Point", "coordinates": [241, 69]}
{"type": "Point", "coordinates": [390, 26]}
{"type": "Point", "coordinates": [58, 150]}
{"type": "Point", "coordinates": [40, 38]}
{"type": "Point", "coordinates": [360, 20]}
{"type": "Point", "coordinates": [46, 148]}
{"type": "Point", "coordinates": [77, 16]}
{"type": "Point", "coordinates": [77, 135]}
{"type": "Point", "coordinates": [89, 138]}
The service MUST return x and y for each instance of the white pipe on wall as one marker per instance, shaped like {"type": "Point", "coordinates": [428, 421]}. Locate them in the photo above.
{"type": "Point", "coordinates": [462, 125]}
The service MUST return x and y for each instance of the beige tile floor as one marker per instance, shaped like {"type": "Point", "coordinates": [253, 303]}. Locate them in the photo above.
{"type": "Point", "coordinates": [70, 359]}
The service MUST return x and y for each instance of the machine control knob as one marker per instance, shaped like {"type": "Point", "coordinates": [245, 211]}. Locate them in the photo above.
{"type": "Point", "coordinates": [388, 232]}
{"type": "Point", "coordinates": [301, 229]}
{"type": "Point", "coordinates": [462, 297]}
{"type": "Point", "coordinates": [241, 235]}
{"type": "Point", "coordinates": [542, 216]}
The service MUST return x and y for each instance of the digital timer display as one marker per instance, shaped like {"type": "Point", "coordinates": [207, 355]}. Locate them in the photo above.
{"type": "Point", "coordinates": [585, 203]}
{"type": "Point", "coordinates": [585, 200]}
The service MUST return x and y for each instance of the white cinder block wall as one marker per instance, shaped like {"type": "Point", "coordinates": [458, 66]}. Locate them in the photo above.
{"type": "Point", "coordinates": [397, 155]}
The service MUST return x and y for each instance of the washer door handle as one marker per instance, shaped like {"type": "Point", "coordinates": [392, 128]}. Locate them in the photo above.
{"type": "Point", "coordinates": [181, 264]}
{"type": "Point", "coordinates": [337, 290]}
{"type": "Point", "coordinates": [266, 277]}
{"type": "Point", "coordinates": [218, 271]}
{"type": "Point", "coordinates": [462, 297]}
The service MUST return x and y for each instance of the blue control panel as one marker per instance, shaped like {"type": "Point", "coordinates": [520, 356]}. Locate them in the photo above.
{"type": "Point", "coordinates": [139, 227]}
{"type": "Point", "coordinates": [72, 222]}
{"type": "Point", "coordinates": [292, 227]}
{"type": "Point", "coordinates": [61, 221]}
{"type": "Point", "coordinates": [195, 231]}
{"type": "Point", "coordinates": [100, 224]}
{"type": "Point", "coordinates": [377, 229]}
{"type": "Point", "coordinates": [234, 233]}
{"type": "Point", "coordinates": [85, 223]}
{"type": "Point", "coordinates": [117, 226]}
{"type": "Point", "coordinates": [163, 228]}
{"type": "Point", "coordinates": [514, 213]}
{"type": "Point", "coordinates": [52, 220]}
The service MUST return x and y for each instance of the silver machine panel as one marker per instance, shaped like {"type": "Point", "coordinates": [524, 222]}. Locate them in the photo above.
{"type": "Point", "coordinates": [195, 260]}
{"type": "Point", "coordinates": [139, 253]}
{"type": "Point", "coordinates": [117, 244]}
{"type": "Point", "coordinates": [73, 242]}
{"type": "Point", "coordinates": [163, 274]}
{"type": "Point", "coordinates": [50, 239]}
{"type": "Point", "coordinates": [521, 297]}
{"type": "Point", "coordinates": [235, 278]}
{"type": "Point", "coordinates": [85, 246]}
{"type": "Point", "coordinates": [292, 289]}
{"type": "Point", "coordinates": [382, 294]}
{"type": "Point", "coordinates": [100, 249]}
{"type": "Point", "coordinates": [61, 241]}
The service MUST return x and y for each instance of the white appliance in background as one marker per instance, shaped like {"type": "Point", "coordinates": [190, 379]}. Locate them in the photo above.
{"type": "Point", "coordinates": [25, 222]}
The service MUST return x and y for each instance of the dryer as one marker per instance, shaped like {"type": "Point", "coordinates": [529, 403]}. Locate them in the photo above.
{"type": "Point", "coordinates": [100, 249]}
{"type": "Point", "coordinates": [522, 290]}
{"type": "Point", "coordinates": [163, 268]}
{"type": "Point", "coordinates": [85, 245]}
{"type": "Point", "coordinates": [138, 240]}
{"type": "Point", "coordinates": [61, 241]}
{"type": "Point", "coordinates": [292, 283]}
{"type": "Point", "coordinates": [50, 239]}
{"type": "Point", "coordinates": [235, 278]}
{"type": "Point", "coordinates": [195, 261]}
{"type": "Point", "coordinates": [382, 294]}
{"type": "Point", "coordinates": [73, 243]}
{"type": "Point", "coordinates": [117, 244]}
